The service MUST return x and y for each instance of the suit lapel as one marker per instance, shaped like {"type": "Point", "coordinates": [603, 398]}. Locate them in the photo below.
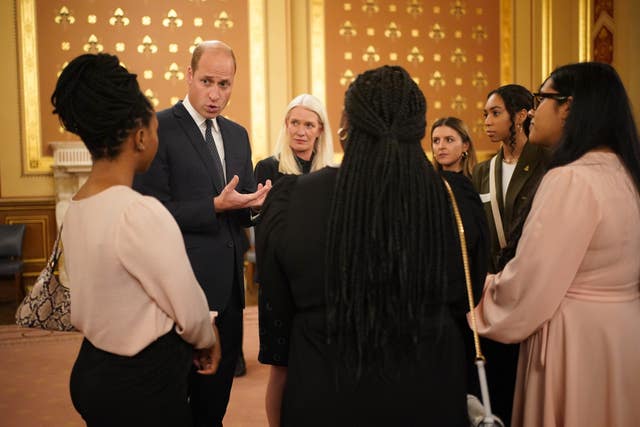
{"type": "Point", "coordinates": [190, 128]}
{"type": "Point", "coordinates": [498, 178]}
{"type": "Point", "coordinates": [527, 162]}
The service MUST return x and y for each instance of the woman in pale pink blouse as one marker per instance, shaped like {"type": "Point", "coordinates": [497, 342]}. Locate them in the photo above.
{"type": "Point", "coordinates": [571, 294]}
{"type": "Point", "coordinates": [134, 296]}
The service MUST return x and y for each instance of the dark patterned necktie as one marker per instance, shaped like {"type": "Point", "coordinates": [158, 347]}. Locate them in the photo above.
{"type": "Point", "coordinates": [211, 145]}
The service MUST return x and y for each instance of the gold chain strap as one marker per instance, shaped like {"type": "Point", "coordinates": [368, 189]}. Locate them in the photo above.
{"type": "Point", "coordinates": [467, 273]}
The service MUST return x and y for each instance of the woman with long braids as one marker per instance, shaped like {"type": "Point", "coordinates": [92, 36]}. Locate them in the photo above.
{"type": "Point", "coordinates": [362, 288]}
{"type": "Point", "coordinates": [571, 294]}
{"type": "Point", "coordinates": [134, 296]}
{"type": "Point", "coordinates": [507, 183]}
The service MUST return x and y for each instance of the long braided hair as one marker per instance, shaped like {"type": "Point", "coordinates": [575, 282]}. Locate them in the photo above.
{"type": "Point", "coordinates": [100, 101]}
{"type": "Point", "coordinates": [385, 251]}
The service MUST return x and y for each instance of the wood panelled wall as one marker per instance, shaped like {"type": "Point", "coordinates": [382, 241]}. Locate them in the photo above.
{"type": "Point", "coordinates": [40, 218]}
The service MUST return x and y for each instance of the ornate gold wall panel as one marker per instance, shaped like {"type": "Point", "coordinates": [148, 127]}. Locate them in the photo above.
{"type": "Point", "coordinates": [152, 38]}
{"type": "Point", "coordinates": [451, 48]}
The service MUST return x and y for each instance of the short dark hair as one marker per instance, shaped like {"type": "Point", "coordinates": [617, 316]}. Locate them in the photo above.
{"type": "Point", "coordinates": [600, 115]}
{"type": "Point", "coordinates": [516, 98]}
{"type": "Point", "coordinates": [100, 101]}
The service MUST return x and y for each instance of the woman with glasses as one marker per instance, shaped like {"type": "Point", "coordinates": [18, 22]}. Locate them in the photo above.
{"type": "Point", "coordinates": [571, 294]}
{"type": "Point", "coordinates": [507, 183]}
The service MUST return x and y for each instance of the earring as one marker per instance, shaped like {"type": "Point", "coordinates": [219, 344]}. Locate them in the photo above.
{"type": "Point", "coordinates": [465, 154]}
{"type": "Point", "coordinates": [343, 134]}
{"type": "Point", "coordinates": [139, 146]}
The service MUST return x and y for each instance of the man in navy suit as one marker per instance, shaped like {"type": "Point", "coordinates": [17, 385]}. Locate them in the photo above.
{"type": "Point", "coordinates": [204, 176]}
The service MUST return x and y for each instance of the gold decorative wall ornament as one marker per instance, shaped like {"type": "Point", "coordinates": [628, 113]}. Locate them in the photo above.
{"type": "Point", "coordinates": [479, 33]}
{"type": "Point", "coordinates": [458, 9]}
{"type": "Point", "coordinates": [415, 8]}
{"type": "Point", "coordinates": [119, 18]}
{"type": "Point", "coordinates": [415, 56]}
{"type": "Point", "coordinates": [64, 65]}
{"type": "Point", "coordinates": [371, 55]}
{"type": "Point", "coordinates": [152, 97]}
{"type": "Point", "coordinates": [121, 47]}
{"type": "Point", "coordinates": [172, 20]}
{"type": "Point", "coordinates": [147, 45]}
{"type": "Point", "coordinates": [223, 22]}
{"type": "Point", "coordinates": [370, 6]}
{"type": "Point", "coordinates": [174, 72]}
{"type": "Point", "coordinates": [195, 44]}
{"type": "Point", "coordinates": [146, 21]}
{"type": "Point", "coordinates": [436, 32]}
{"type": "Point", "coordinates": [459, 103]}
{"type": "Point", "coordinates": [65, 46]}
{"type": "Point", "coordinates": [93, 45]}
{"type": "Point", "coordinates": [480, 80]}
{"type": "Point", "coordinates": [437, 80]}
{"type": "Point", "coordinates": [478, 126]}
{"type": "Point", "coordinates": [347, 30]}
{"type": "Point", "coordinates": [458, 57]}
{"type": "Point", "coordinates": [346, 78]}
{"type": "Point", "coordinates": [392, 31]}
{"type": "Point", "coordinates": [64, 16]}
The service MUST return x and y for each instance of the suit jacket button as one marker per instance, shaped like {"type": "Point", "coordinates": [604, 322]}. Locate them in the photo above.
{"type": "Point", "coordinates": [229, 244]}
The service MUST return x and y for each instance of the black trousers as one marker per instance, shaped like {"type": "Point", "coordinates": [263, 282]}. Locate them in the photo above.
{"type": "Point", "coordinates": [209, 394]}
{"type": "Point", "coordinates": [148, 389]}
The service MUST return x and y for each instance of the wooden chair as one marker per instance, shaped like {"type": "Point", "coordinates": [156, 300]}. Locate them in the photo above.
{"type": "Point", "coordinates": [11, 238]}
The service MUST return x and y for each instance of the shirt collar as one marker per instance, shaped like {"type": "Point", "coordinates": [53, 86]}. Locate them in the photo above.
{"type": "Point", "coordinates": [197, 117]}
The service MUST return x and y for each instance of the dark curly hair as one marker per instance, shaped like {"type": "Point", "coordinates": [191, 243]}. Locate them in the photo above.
{"type": "Point", "coordinates": [515, 98]}
{"type": "Point", "coordinates": [385, 250]}
{"type": "Point", "coordinates": [100, 101]}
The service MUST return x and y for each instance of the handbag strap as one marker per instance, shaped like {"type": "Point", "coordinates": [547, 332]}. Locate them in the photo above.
{"type": "Point", "coordinates": [495, 210]}
{"type": "Point", "coordinates": [480, 359]}
{"type": "Point", "coordinates": [467, 272]}
{"type": "Point", "coordinates": [56, 251]}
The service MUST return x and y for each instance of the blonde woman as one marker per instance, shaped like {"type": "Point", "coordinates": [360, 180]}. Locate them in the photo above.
{"type": "Point", "coordinates": [304, 144]}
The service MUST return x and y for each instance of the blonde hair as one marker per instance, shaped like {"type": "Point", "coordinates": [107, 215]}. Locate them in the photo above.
{"type": "Point", "coordinates": [323, 146]}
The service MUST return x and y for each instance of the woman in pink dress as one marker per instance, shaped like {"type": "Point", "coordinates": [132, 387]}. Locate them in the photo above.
{"type": "Point", "coordinates": [571, 294]}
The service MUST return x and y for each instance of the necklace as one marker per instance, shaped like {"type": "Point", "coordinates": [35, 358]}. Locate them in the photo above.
{"type": "Point", "coordinates": [509, 161]}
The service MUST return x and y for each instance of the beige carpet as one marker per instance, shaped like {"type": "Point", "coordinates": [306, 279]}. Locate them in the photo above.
{"type": "Point", "coordinates": [34, 377]}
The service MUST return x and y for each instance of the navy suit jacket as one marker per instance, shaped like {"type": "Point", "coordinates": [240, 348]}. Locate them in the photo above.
{"type": "Point", "coordinates": [182, 177]}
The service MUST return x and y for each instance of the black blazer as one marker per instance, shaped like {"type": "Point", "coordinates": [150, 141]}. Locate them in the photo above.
{"type": "Point", "coordinates": [531, 167]}
{"type": "Point", "coordinates": [182, 177]}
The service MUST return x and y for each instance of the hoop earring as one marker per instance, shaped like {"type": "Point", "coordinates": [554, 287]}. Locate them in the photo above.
{"type": "Point", "coordinates": [465, 154]}
{"type": "Point", "coordinates": [343, 134]}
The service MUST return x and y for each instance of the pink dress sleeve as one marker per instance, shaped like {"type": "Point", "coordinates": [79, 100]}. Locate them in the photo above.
{"type": "Point", "coordinates": [150, 246]}
{"type": "Point", "coordinates": [521, 298]}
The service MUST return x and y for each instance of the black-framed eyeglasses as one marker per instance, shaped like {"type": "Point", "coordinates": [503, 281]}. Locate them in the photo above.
{"type": "Point", "coordinates": [538, 97]}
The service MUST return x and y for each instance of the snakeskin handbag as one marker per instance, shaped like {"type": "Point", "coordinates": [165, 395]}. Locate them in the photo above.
{"type": "Point", "coordinates": [48, 305]}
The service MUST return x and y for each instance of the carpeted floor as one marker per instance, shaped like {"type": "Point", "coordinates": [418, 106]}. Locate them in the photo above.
{"type": "Point", "coordinates": [35, 366]}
